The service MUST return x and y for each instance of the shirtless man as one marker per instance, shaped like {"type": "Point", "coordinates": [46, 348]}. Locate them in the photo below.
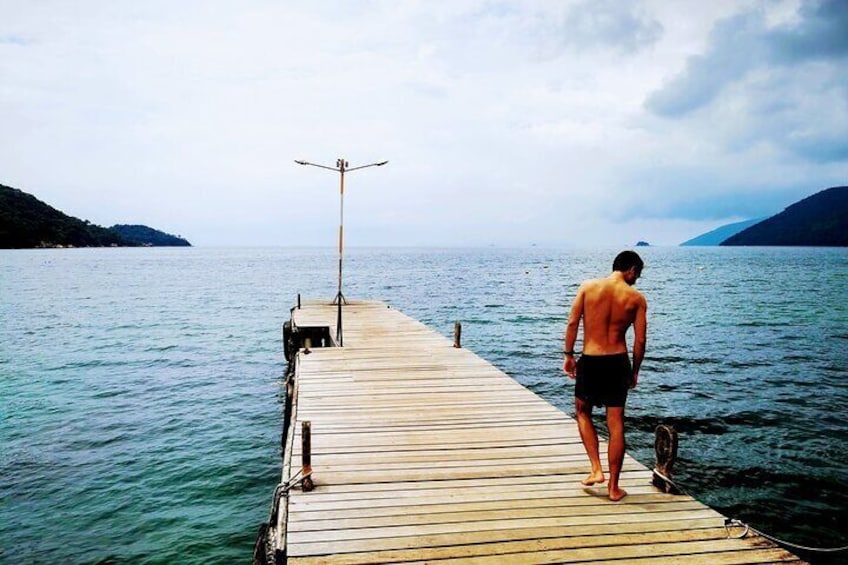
{"type": "Point", "coordinates": [604, 373]}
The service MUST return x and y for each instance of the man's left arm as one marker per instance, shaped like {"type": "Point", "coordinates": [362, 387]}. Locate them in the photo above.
{"type": "Point", "coordinates": [640, 338]}
{"type": "Point", "coordinates": [569, 366]}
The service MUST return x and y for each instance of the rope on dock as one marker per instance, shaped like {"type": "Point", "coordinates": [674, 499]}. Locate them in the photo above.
{"type": "Point", "coordinates": [728, 522]}
{"type": "Point", "coordinates": [731, 522]}
{"type": "Point", "coordinates": [298, 478]}
{"type": "Point", "coordinates": [793, 545]}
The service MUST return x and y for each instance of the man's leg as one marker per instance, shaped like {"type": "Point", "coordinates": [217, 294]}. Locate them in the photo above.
{"type": "Point", "coordinates": [615, 423]}
{"type": "Point", "coordinates": [590, 441]}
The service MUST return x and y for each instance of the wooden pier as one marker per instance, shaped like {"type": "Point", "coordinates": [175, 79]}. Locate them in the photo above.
{"type": "Point", "coordinates": [424, 452]}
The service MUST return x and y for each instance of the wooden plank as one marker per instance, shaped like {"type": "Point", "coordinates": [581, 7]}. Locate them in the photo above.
{"type": "Point", "coordinates": [457, 456]}
{"type": "Point", "coordinates": [693, 550]}
{"type": "Point", "coordinates": [688, 553]}
{"type": "Point", "coordinates": [541, 550]}
{"type": "Point", "coordinates": [555, 483]}
{"type": "Point", "coordinates": [444, 516]}
{"type": "Point", "coordinates": [553, 430]}
{"type": "Point", "coordinates": [495, 536]}
{"type": "Point", "coordinates": [514, 507]}
{"type": "Point", "coordinates": [404, 500]}
{"type": "Point", "coordinates": [562, 522]}
{"type": "Point", "coordinates": [422, 451]}
{"type": "Point", "coordinates": [438, 474]}
{"type": "Point", "coordinates": [449, 463]}
{"type": "Point", "coordinates": [340, 448]}
{"type": "Point", "coordinates": [420, 419]}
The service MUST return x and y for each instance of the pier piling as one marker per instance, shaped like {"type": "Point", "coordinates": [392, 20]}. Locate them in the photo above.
{"type": "Point", "coordinates": [306, 457]}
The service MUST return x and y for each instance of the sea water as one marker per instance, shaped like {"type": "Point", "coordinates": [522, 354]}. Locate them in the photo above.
{"type": "Point", "coordinates": [140, 406]}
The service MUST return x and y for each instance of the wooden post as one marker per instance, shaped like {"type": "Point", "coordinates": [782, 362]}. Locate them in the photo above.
{"type": "Point", "coordinates": [306, 452]}
{"type": "Point", "coordinates": [665, 447]}
{"type": "Point", "coordinates": [457, 335]}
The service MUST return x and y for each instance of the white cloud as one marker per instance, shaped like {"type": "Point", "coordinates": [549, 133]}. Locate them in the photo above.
{"type": "Point", "coordinates": [504, 122]}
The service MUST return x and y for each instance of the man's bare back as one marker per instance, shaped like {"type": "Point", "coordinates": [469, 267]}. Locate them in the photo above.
{"type": "Point", "coordinates": [609, 307]}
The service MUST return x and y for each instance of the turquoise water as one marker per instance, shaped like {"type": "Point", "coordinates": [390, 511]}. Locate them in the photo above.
{"type": "Point", "coordinates": [139, 388]}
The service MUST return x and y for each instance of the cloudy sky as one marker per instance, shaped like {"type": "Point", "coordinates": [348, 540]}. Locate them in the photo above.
{"type": "Point", "coordinates": [568, 123]}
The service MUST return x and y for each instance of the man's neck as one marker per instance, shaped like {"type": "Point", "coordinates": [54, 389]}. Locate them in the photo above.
{"type": "Point", "coordinates": [617, 276]}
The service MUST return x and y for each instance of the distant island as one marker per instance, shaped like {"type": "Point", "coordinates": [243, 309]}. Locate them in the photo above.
{"type": "Point", "coordinates": [820, 220]}
{"type": "Point", "coordinates": [26, 222]}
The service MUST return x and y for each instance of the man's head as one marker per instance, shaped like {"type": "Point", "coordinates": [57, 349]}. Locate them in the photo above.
{"type": "Point", "coordinates": [629, 263]}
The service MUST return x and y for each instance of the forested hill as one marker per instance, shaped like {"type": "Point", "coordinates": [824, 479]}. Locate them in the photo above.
{"type": "Point", "coordinates": [820, 220]}
{"type": "Point", "coordinates": [718, 235]}
{"type": "Point", "coordinates": [27, 222]}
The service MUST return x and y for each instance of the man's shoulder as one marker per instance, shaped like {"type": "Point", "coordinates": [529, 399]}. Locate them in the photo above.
{"type": "Point", "coordinates": [591, 284]}
{"type": "Point", "coordinates": [639, 296]}
{"type": "Point", "coordinates": [632, 294]}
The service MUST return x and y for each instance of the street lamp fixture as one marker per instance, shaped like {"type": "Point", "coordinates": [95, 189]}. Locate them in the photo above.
{"type": "Point", "coordinates": [341, 167]}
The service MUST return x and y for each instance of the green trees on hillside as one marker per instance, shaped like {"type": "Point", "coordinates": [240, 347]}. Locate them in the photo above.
{"type": "Point", "coordinates": [149, 236]}
{"type": "Point", "coordinates": [820, 220]}
{"type": "Point", "coordinates": [26, 222]}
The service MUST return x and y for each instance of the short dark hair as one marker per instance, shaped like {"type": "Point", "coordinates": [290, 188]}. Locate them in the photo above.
{"type": "Point", "coordinates": [627, 259]}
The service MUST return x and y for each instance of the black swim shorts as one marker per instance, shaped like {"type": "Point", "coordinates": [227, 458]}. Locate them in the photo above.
{"type": "Point", "coordinates": [603, 380]}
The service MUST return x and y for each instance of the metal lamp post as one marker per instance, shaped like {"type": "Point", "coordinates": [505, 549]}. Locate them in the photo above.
{"type": "Point", "coordinates": [342, 168]}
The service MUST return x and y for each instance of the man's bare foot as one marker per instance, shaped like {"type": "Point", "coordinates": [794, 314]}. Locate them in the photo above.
{"type": "Point", "coordinates": [593, 479]}
{"type": "Point", "coordinates": [617, 494]}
